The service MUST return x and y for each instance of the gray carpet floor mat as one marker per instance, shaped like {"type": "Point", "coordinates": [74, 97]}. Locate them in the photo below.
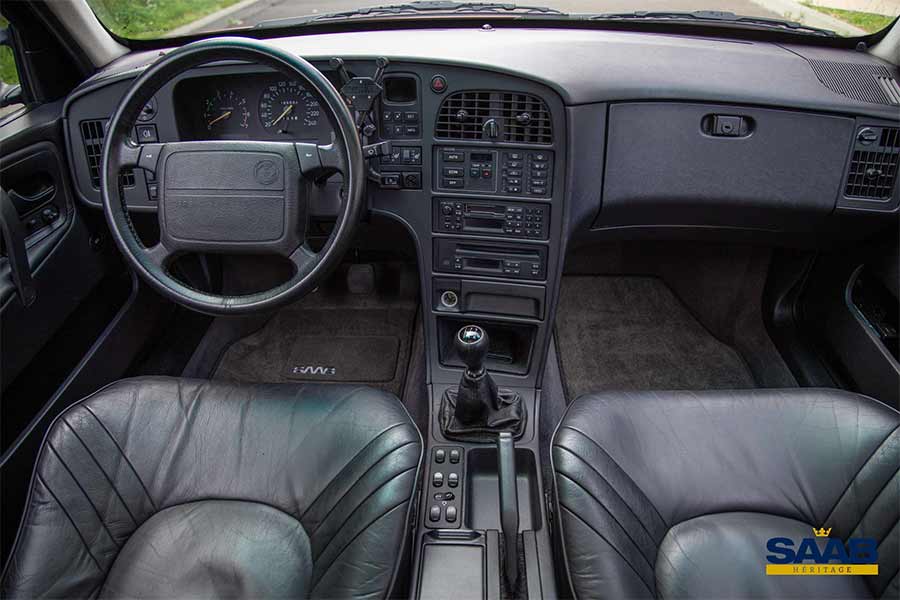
{"type": "Point", "coordinates": [632, 333]}
{"type": "Point", "coordinates": [331, 336]}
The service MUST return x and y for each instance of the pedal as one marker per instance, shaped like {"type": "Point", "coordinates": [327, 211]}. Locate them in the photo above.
{"type": "Point", "coordinates": [361, 279]}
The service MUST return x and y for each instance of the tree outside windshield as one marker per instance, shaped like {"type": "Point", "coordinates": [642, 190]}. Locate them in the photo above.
{"type": "Point", "coordinates": [148, 19]}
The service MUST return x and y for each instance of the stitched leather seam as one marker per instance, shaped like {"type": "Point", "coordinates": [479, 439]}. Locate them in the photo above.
{"type": "Point", "coordinates": [605, 508]}
{"type": "Point", "coordinates": [624, 472]}
{"type": "Point", "coordinates": [350, 543]}
{"type": "Point", "coordinates": [72, 521]}
{"type": "Point", "coordinates": [614, 491]}
{"type": "Point", "coordinates": [353, 512]}
{"type": "Point", "coordinates": [888, 534]}
{"type": "Point", "coordinates": [889, 582]}
{"type": "Point", "coordinates": [100, 468]}
{"type": "Point", "coordinates": [598, 534]}
{"type": "Point", "coordinates": [356, 483]}
{"type": "Point", "coordinates": [124, 456]}
{"type": "Point", "coordinates": [855, 477]}
{"type": "Point", "coordinates": [872, 503]}
{"type": "Point", "coordinates": [86, 497]}
{"type": "Point", "coordinates": [347, 467]}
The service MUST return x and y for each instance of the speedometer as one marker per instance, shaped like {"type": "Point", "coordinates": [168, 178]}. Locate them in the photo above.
{"type": "Point", "coordinates": [285, 107]}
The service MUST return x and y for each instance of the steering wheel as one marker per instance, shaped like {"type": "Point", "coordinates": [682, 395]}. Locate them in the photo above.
{"type": "Point", "coordinates": [233, 196]}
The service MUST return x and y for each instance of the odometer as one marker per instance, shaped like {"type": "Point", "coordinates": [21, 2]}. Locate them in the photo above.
{"type": "Point", "coordinates": [286, 108]}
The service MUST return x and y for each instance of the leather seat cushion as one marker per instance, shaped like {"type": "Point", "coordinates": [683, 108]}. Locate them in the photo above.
{"type": "Point", "coordinates": [333, 467]}
{"type": "Point", "coordinates": [636, 469]}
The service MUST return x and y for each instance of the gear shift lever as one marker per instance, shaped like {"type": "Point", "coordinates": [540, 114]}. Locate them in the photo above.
{"type": "Point", "coordinates": [477, 391]}
{"type": "Point", "coordinates": [477, 410]}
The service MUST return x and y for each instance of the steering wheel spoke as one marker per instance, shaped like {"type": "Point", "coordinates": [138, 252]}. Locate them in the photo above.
{"type": "Point", "coordinates": [319, 161]}
{"type": "Point", "coordinates": [157, 255]}
{"type": "Point", "coordinates": [304, 259]}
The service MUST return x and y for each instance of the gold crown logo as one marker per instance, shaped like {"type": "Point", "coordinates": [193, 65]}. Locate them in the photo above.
{"type": "Point", "coordinates": [822, 532]}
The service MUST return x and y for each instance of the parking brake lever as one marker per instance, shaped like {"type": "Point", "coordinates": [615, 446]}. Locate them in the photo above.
{"type": "Point", "coordinates": [509, 505]}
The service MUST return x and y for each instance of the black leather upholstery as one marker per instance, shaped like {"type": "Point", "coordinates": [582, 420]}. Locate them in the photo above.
{"type": "Point", "coordinates": [674, 494]}
{"type": "Point", "coordinates": [160, 487]}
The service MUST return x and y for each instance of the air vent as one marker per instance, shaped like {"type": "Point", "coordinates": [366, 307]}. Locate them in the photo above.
{"type": "Point", "coordinates": [92, 133]}
{"type": "Point", "coordinates": [873, 167]}
{"type": "Point", "coordinates": [494, 116]}
{"type": "Point", "coordinates": [866, 82]}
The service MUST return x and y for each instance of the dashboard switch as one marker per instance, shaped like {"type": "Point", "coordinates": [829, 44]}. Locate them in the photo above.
{"type": "Point", "coordinates": [438, 84]}
{"type": "Point", "coordinates": [451, 514]}
{"type": "Point", "coordinates": [434, 513]}
{"type": "Point", "coordinates": [146, 134]}
{"type": "Point", "coordinates": [412, 180]}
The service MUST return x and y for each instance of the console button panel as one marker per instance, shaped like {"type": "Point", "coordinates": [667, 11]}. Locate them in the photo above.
{"type": "Point", "coordinates": [527, 173]}
{"type": "Point", "coordinates": [483, 217]}
{"type": "Point", "coordinates": [444, 490]}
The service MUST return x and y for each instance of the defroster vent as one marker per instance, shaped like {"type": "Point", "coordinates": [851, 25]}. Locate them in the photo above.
{"type": "Point", "coordinates": [92, 134]}
{"type": "Point", "coordinates": [873, 167]}
{"type": "Point", "coordinates": [494, 116]}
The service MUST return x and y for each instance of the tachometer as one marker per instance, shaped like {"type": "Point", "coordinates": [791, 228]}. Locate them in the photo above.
{"type": "Point", "coordinates": [285, 107]}
{"type": "Point", "coordinates": [224, 110]}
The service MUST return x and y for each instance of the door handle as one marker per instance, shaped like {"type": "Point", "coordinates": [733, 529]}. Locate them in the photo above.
{"type": "Point", "coordinates": [24, 202]}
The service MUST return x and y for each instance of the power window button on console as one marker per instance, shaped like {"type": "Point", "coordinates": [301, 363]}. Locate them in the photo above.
{"type": "Point", "coordinates": [437, 480]}
{"type": "Point", "coordinates": [434, 513]}
{"type": "Point", "coordinates": [454, 456]}
{"type": "Point", "coordinates": [451, 514]}
{"type": "Point", "coordinates": [440, 455]}
{"type": "Point", "coordinates": [453, 479]}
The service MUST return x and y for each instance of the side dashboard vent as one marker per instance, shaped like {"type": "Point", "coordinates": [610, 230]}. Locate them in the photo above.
{"type": "Point", "coordinates": [92, 134]}
{"type": "Point", "coordinates": [865, 82]}
{"type": "Point", "coordinates": [873, 166]}
{"type": "Point", "coordinates": [494, 116]}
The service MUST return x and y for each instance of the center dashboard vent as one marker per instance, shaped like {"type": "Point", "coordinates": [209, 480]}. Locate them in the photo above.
{"type": "Point", "coordinates": [873, 166]}
{"type": "Point", "coordinates": [494, 116]}
{"type": "Point", "coordinates": [92, 134]}
{"type": "Point", "coordinates": [865, 82]}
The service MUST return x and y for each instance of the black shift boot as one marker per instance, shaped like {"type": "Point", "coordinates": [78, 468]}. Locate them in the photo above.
{"type": "Point", "coordinates": [478, 410]}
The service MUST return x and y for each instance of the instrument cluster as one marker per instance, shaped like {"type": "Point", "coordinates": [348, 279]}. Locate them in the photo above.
{"type": "Point", "coordinates": [249, 107]}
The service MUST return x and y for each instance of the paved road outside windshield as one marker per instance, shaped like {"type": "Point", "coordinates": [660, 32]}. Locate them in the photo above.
{"type": "Point", "coordinates": [264, 10]}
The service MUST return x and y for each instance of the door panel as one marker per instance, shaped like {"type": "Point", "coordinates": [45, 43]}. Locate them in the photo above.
{"type": "Point", "coordinates": [64, 263]}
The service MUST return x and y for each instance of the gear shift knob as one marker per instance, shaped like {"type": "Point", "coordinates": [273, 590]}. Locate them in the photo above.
{"type": "Point", "coordinates": [472, 346]}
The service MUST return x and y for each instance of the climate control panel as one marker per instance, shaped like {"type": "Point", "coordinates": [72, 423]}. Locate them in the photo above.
{"type": "Point", "coordinates": [511, 172]}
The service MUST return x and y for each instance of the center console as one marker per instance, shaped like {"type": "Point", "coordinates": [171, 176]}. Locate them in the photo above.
{"type": "Point", "coordinates": [487, 212]}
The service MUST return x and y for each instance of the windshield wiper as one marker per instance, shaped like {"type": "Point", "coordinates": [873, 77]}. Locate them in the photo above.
{"type": "Point", "coordinates": [712, 16]}
{"type": "Point", "coordinates": [415, 8]}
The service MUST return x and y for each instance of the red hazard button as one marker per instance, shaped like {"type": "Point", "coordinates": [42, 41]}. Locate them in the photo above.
{"type": "Point", "coordinates": [438, 84]}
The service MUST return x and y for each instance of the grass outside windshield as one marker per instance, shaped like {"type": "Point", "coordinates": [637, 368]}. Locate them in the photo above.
{"type": "Point", "coordinates": [149, 19]}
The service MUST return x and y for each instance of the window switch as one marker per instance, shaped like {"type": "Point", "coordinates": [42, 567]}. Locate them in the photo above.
{"type": "Point", "coordinates": [440, 455]}
{"type": "Point", "coordinates": [451, 514]}
{"type": "Point", "coordinates": [434, 513]}
{"type": "Point", "coordinates": [454, 456]}
{"type": "Point", "coordinates": [437, 480]}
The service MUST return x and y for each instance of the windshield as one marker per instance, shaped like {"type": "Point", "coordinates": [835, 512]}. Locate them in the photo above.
{"type": "Point", "coordinates": [148, 19]}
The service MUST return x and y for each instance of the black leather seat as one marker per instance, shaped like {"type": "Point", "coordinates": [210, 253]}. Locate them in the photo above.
{"type": "Point", "coordinates": [675, 494]}
{"type": "Point", "coordinates": [160, 487]}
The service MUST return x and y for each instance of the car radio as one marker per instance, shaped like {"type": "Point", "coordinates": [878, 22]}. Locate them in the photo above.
{"type": "Point", "coordinates": [522, 261]}
{"type": "Point", "coordinates": [520, 219]}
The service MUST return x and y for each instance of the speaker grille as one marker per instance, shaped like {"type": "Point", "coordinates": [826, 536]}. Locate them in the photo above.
{"type": "Point", "coordinates": [860, 81]}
